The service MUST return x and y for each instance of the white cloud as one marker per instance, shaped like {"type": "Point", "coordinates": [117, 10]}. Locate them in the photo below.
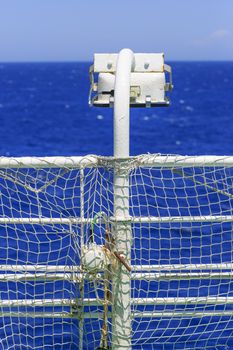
{"type": "Point", "coordinates": [216, 36]}
{"type": "Point", "coordinates": [220, 33]}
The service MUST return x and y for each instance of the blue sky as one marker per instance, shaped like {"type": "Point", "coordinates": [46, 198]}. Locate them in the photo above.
{"type": "Point", "coordinates": [72, 30]}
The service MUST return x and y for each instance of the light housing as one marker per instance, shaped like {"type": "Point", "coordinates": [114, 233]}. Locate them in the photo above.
{"type": "Point", "coordinates": [148, 80]}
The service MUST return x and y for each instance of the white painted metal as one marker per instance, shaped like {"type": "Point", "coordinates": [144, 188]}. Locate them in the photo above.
{"type": "Point", "coordinates": [220, 266]}
{"type": "Point", "coordinates": [43, 221]}
{"type": "Point", "coordinates": [149, 276]}
{"type": "Point", "coordinates": [148, 160]}
{"type": "Point", "coordinates": [149, 62]}
{"type": "Point", "coordinates": [41, 268]}
{"type": "Point", "coordinates": [130, 219]}
{"type": "Point", "coordinates": [153, 276]}
{"type": "Point", "coordinates": [48, 162]}
{"type": "Point", "coordinates": [81, 285]}
{"type": "Point", "coordinates": [125, 65]}
{"type": "Point", "coordinates": [133, 301]}
{"type": "Point", "coordinates": [121, 286]}
{"type": "Point", "coordinates": [98, 315]}
{"type": "Point", "coordinates": [47, 302]}
{"type": "Point", "coordinates": [36, 302]}
{"type": "Point", "coordinates": [42, 315]}
{"type": "Point", "coordinates": [79, 277]}
{"type": "Point", "coordinates": [153, 160]}
{"type": "Point", "coordinates": [16, 277]}
{"type": "Point", "coordinates": [145, 314]}
{"type": "Point", "coordinates": [75, 268]}
{"type": "Point", "coordinates": [147, 86]}
{"type": "Point", "coordinates": [182, 301]}
{"type": "Point", "coordinates": [142, 85]}
{"type": "Point", "coordinates": [171, 219]}
{"type": "Point", "coordinates": [183, 314]}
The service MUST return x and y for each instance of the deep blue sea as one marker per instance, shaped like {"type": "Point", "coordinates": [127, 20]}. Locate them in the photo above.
{"type": "Point", "coordinates": [44, 111]}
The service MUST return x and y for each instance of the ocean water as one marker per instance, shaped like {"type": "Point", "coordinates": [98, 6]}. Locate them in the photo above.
{"type": "Point", "coordinates": [44, 111]}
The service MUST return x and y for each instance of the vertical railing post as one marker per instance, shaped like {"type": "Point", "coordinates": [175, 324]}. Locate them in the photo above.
{"type": "Point", "coordinates": [81, 285]}
{"type": "Point", "coordinates": [121, 286]}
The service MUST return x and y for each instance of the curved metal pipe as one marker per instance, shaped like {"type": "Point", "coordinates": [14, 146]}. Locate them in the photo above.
{"type": "Point", "coordinates": [121, 287]}
{"type": "Point", "coordinates": [125, 65]}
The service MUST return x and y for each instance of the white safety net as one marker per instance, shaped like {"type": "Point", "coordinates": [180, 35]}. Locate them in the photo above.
{"type": "Point", "coordinates": [64, 281]}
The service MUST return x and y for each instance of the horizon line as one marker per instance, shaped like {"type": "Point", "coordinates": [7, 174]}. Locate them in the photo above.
{"type": "Point", "coordinates": [90, 61]}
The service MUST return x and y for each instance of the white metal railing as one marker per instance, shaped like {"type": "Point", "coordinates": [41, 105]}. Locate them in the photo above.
{"type": "Point", "coordinates": [89, 161]}
{"type": "Point", "coordinates": [134, 314]}
{"type": "Point", "coordinates": [134, 301]}
{"type": "Point", "coordinates": [16, 273]}
{"type": "Point", "coordinates": [126, 79]}
{"type": "Point", "coordinates": [48, 162]}
{"type": "Point", "coordinates": [146, 276]}
{"type": "Point", "coordinates": [182, 314]}
{"type": "Point", "coordinates": [129, 219]}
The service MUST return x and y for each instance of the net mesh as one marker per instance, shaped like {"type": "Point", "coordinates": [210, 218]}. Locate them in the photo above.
{"type": "Point", "coordinates": [53, 295]}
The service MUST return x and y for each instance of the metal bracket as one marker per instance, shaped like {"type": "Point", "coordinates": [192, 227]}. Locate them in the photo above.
{"type": "Point", "coordinates": [168, 86]}
{"type": "Point", "coordinates": [150, 64]}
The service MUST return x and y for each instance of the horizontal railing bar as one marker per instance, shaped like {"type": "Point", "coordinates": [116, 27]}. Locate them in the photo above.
{"type": "Point", "coordinates": [170, 267]}
{"type": "Point", "coordinates": [134, 301]}
{"type": "Point", "coordinates": [17, 277]}
{"type": "Point", "coordinates": [135, 220]}
{"type": "Point", "coordinates": [140, 271]}
{"type": "Point", "coordinates": [153, 160]}
{"type": "Point", "coordinates": [38, 314]}
{"type": "Point", "coordinates": [149, 276]}
{"type": "Point", "coordinates": [36, 302]}
{"type": "Point", "coordinates": [99, 315]}
{"type": "Point", "coordinates": [49, 162]}
{"type": "Point", "coordinates": [134, 314]}
{"type": "Point", "coordinates": [178, 219]}
{"type": "Point", "coordinates": [89, 161]}
{"type": "Point", "coordinates": [44, 221]}
{"type": "Point", "coordinates": [167, 314]}
{"type": "Point", "coordinates": [181, 314]}
{"type": "Point", "coordinates": [41, 268]}
{"type": "Point", "coordinates": [49, 302]}
{"type": "Point", "coordinates": [152, 276]}
{"type": "Point", "coordinates": [183, 301]}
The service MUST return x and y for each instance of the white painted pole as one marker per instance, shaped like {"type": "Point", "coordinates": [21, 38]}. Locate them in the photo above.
{"type": "Point", "coordinates": [124, 67]}
{"type": "Point", "coordinates": [81, 285]}
{"type": "Point", "coordinates": [121, 286]}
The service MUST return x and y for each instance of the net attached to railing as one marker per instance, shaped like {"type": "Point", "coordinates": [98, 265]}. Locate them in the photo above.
{"type": "Point", "coordinates": [62, 265]}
